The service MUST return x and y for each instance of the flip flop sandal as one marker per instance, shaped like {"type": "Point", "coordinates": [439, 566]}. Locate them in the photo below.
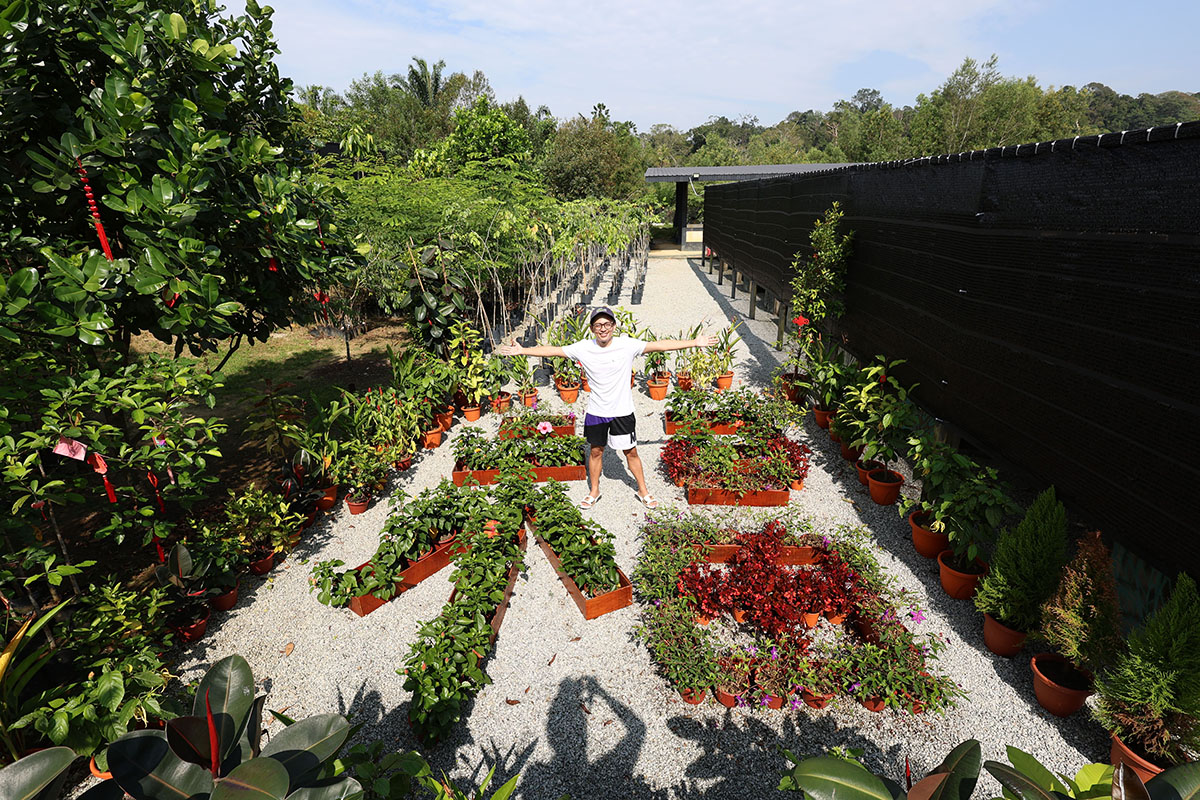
{"type": "Point", "coordinates": [648, 501]}
{"type": "Point", "coordinates": [588, 502]}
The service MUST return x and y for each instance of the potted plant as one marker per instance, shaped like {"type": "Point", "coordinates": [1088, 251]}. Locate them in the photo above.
{"type": "Point", "coordinates": [972, 512]}
{"type": "Point", "coordinates": [732, 682]}
{"type": "Point", "coordinates": [523, 377]}
{"type": "Point", "coordinates": [1080, 623]}
{"type": "Point", "coordinates": [829, 376]}
{"type": "Point", "coordinates": [466, 356]}
{"type": "Point", "coordinates": [567, 376]}
{"type": "Point", "coordinates": [498, 374]}
{"type": "Point", "coordinates": [1149, 696]}
{"type": "Point", "coordinates": [227, 559]}
{"type": "Point", "coordinates": [362, 472]}
{"type": "Point", "coordinates": [1024, 572]}
{"type": "Point", "coordinates": [262, 521]}
{"type": "Point", "coordinates": [940, 468]}
{"type": "Point", "coordinates": [722, 356]}
{"type": "Point", "coordinates": [682, 650]}
{"type": "Point", "coordinates": [189, 617]}
{"type": "Point", "coordinates": [658, 376]}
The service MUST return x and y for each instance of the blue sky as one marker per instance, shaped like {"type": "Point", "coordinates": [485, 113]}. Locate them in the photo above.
{"type": "Point", "coordinates": [680, 61]}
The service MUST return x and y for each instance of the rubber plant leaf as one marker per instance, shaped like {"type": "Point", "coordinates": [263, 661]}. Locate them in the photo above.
{"type": "Point", "coordinates": [831, 778]}
{"type": "Point", "coordinates": [961, 767]}
{"type": "Point", "coordinates": [229, 687]}
{"type": "Point", "coordinates": [38, 776]}
{"type": "Point", "coordinates": [1035, 770]}
{"type": "Point", "coordinates": [1177, 783]}
{"type": "Point", "coordinates": [344, 789]}
{"type": "Point", "coordinates": [1127, 785]}
{"type": "Point", "coordinates": [303, 747]}
{"type": "Point", "coordinates": [143, 764]}
{"type": "Point", "coordinates": [1019, 784]}
{"type": "Point", "coordinates": [257, 779]}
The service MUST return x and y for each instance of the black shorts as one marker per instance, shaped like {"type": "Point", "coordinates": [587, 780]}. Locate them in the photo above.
{"type": "Point", "coordinates": [618, 433]}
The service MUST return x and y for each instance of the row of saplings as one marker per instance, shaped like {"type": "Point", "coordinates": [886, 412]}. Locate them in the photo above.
{"type": "Point", "coordinates": [1148, 682]}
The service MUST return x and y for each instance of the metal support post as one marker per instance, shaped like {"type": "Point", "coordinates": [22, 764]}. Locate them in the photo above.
{"type": "Point", "coordinates": [753, 298]}
{"type": "Point", "coordinates": [783, 313]}
{"type": "Point", "coordinates": [733, 285]}
{"type": "Point", "coordinates": [720, 271]}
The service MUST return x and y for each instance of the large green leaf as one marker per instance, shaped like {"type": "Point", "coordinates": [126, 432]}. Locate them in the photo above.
{"type": "Point", "coordinates": [306, 745]}
{"type": "Point", "coordinates": [257, 779]}
{"type": "Point", "coordinates": [229, 687]}
{"type": "Point", "coordinates": [38, 776]}
{"type": "Point", "coordinates": [1019, 784]}
{"type": "Point", "coordinates": [1035, 770]}
{"type": "Point", "coordinates": [961, 766]}
{"type": "Point", "coordinates": [189, 739]}
{"type": "Point", "coordinates": [830, 778]}
{"type": "Point", "coordinates": [1176, 783]}
{"type": "Point", "coordinates": [144, 766]}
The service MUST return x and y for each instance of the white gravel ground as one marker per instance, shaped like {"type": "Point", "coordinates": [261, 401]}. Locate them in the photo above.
{"type": "Point", "coordinates": [598, 721]}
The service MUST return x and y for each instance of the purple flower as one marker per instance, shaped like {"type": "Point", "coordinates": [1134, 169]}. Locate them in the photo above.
{"type": "Point", "coordinates": [657, 603]}
{"type": "Point", "coordinates": [751, 650]}
{"type": "Point", "coordinates": [795, 703]}
{"type": "Point", "coordinates": [916, 616]}
{"type": "Point", "coordinates": [741, 701]}
{"type": "Point", "coordinates": [774, 654]}
{"type": "Point", "coordinates": [854, 687]}
{"type": "Point", "coordinates": [826, 541]}
{"type": "Point", "coordinates": [766, 701]}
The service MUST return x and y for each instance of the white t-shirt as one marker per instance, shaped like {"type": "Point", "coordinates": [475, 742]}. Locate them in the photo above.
{"type": "Point", "coordinates": [608, 370]}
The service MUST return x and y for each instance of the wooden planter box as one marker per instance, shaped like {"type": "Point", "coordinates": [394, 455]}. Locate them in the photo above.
{"type": "Point", "coordinates": [791, 556]}
{"type": "Point", "coordinates": [498, 618]}
{"type": "Point", "coordinates": [559, 430]}
{"type": "Point", "coordinates": [430, 563]}
{"type": "Point", "coordinates": [488, 476]}
{"type": "Point", "coordinates": [718, 430]}
{"type": "Point", "coordinates": [591, 607]}
{"type": "Point", "coordinates": [723, 497]}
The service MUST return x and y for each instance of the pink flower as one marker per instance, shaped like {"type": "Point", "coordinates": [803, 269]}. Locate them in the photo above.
{"type": "Point", "coordinates": [916, 616]}
{"type": "Point", "coordinates": [545, 427]}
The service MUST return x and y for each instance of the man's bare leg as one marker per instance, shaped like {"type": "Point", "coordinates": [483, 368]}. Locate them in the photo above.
{"type": "Point", "coordinates": [595, 467]}
{"type": "Point", "coordinates": [635, 466]}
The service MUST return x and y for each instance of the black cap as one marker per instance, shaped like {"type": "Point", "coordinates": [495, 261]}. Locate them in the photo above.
{"type": "Point", "coordinates": [602, 311]}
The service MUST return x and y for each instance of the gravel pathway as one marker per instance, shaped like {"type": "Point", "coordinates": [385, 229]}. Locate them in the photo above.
{"type": "Point", "coordinates": [593, 718]}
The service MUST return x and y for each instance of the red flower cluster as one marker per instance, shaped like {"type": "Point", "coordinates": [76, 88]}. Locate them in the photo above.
{"type": "Point", "coordinates": [800, 320]}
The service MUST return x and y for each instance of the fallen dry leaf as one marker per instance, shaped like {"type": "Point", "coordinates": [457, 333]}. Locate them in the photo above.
{"type": "Point", "coordinates": [287, 650]}
{"type": "Point", "coordinates": [551, 661]}
{"type": "Point", "coordinates": [527, 688]}
{"type": "Point", "coordinates": [585, 708]}
{"type": "Point", "coordinates": [577, 638]}
{"type": "Point", "coordinates": [607, 722]}
{"type": "Point", "coordinates": [512, 702]}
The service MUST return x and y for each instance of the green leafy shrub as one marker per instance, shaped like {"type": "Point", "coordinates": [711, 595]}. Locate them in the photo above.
{"type": "Point", "coordinates": [1080, 620]}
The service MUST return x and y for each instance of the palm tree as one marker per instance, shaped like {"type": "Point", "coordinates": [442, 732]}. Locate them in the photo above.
{"type": "Point", "coordinates": [422, 83]}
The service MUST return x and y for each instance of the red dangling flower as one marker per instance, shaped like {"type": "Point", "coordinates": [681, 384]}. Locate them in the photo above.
{"type": "Point", "coordinates": [800, 320]}
{"type": "Point", "coordinates": [883, 378]}
{"type": "Point", "coordinates": [272, 265]}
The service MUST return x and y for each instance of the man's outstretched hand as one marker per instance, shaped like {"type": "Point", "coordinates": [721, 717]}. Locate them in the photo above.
{"type": "Point", "coordinates": [512, 349]}
{"type": "Point", "coordinates": [708, 340]}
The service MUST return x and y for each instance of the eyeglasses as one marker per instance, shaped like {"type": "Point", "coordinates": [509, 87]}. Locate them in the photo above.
{"type": "Point", "coordinates": [603, 326]}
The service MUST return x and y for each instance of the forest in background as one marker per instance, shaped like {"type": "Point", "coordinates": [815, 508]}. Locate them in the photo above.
{"type": "Point", "coordinates": [406, 115]}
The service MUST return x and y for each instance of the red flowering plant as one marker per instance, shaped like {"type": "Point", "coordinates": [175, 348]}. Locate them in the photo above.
{"type": "Point", "coordinates": [703, 584]}
{"type": "Point", "coordinates": [679, 459]}
{"type": "Point", "coordinates": [796, 454]}
{"type": "Point", "coordinates": [839, 585]}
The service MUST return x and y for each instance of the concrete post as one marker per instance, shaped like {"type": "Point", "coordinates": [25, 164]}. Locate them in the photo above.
{"type": "Point", "coordinates": [753, 298]}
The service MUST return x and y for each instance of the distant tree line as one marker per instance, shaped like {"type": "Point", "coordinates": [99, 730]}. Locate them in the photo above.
{"type": "Point", "coordinates": [593, 155]}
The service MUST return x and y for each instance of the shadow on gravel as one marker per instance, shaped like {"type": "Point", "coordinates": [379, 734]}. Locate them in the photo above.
{"type": "Point", "coordinates": [763, 358]}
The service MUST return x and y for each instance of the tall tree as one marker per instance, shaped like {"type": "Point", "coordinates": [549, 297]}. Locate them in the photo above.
{"type": "Point", "coordinates": [422, 82]}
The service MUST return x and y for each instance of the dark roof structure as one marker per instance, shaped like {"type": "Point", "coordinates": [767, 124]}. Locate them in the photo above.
{"type": "Point", "coordinates": [747, 173]}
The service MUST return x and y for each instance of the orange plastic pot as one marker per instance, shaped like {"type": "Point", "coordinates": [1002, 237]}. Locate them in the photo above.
{"type": "Point", "coordinates": [329, 499]}
{"type": "Point", "coordinates": [851, 453]}
{"type": "Point", "coordinates": [1058, 698]}
{"type": "Point", "coordinates": [444, 419]}
{"type": "Point", "coordinates": [502, 401]}
{"type": "Point", "coordinates": [357, 507]}
{"type": "Point", "coordinates": [692, 696]}
{"type": "Point", "coordinates": [658, 388]}
{"type": "Point", "coordinates": [823, 417]}
{"type": "Point", "coordinates": [431, 439]}
{"type": "Point", "coordinates": [1001, 639]}
{"type": "Point", "coordinates": [530, 399]}
{"type": "Point", "coordinates": [817, 701]}
{"type": "Point", "coordinates": [723, 383]}
{"type": "Point", "coordinates": [263, 565]}
{"type": "Point", "coordinates": [885, 486]}
{"type": "Point", "coordinates": [725, 698]}
{"type": "Point", "coordinates": [684, 382]}
{"type": "Point", "coordinates": [569, 394]}
{"type": "Point", "coordinates": [471, 413]}
{"type": "Point", "coordinates": [1121, 753]}
{"type": "Point", "coordinates": [927, 543]}
{"type": "Point", "coordinates": [225, 600]}
{"type": "Point", "coordinates": [959, 585]}
{"type": "Point", "coordinates": [866, 466]}
{"type": "Point", "coordinates": [873, 704]}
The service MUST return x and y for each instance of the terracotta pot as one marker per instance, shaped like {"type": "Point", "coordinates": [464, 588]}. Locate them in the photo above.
{"type": "Point", "coordinates": [632, 378]}
{"type": "Point", "coordinates": [586, 386]}
{"type": "Point", "coordinates": [658, 389]}
{"type": "Point", "coordinates": [703, 620]}
{"type": "Point", "coordinates": [683, 381]}
{"type": "Point", "coordinates": [723, 383]}
{"type": "Point", "coordinates": [1060, 700]}
{"type": "Point", "coordinates": [569, 394]}
{"type": "Point", "coordinates": [692, 696]}
{"type": "Point", "coordinates": [959, 585]}
{"type": "Point", "coordinates": [502, 401]}
{"type": "Point", "coordinates": [810, 618]}
{"type": "Point", "coordinates": [928, 543]}
{"type": "Point", "coordinates": [471, 413]}
{"type": "Point", "coordinates": [851, 453]}
{"type": "Point", "coordinates": [865, 466]}
{"type": "Point", "coordinates": [403, 464]}
{"type": "Point", "coordinates": [263, 565]}
{"type": "Point", "coordinates": [725, 698]}
{"type": "Point", "coordinates": [874, 704]}
{"type": "Point", "coordinates": [834, 437]}
{"type": "Point", "coordinates": [1121, 753]}
{"type": "Point", "coordinates": [739, 615]}
{"type": "Point", "coordinates": [885, 486]}
{"type": "Point", "coordinates": [528, 399]}
{"type": "Point", "coordinates": [224, 601]}
{"type": "Point", "coordinates": [193, 631]}
{"type": "Point", "coordinates": [797, 485]}
{"type": "Point", "coordinates": [1001, 639]}
{"type": "Point", "coordinates": [815, 700]}
{"type": "Point", "coordinates": [444, 419]}
{"type": "Point", "coordinates": [823, 417]}
{"type": "Point", "coordinates": [92, 768]}
{"type": "Point", "coordinates": [791, 391]}
{"type": "Point", "coordinates": [357, 507]}
{"type": "Point", "coordinates": [774, 702]}
{"type": "Point", "coordinates": [836, 619]}
{"type": "Point", "coordinates": [327, 502]}
{"type": "Point", "coordinates": [431, 439]}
